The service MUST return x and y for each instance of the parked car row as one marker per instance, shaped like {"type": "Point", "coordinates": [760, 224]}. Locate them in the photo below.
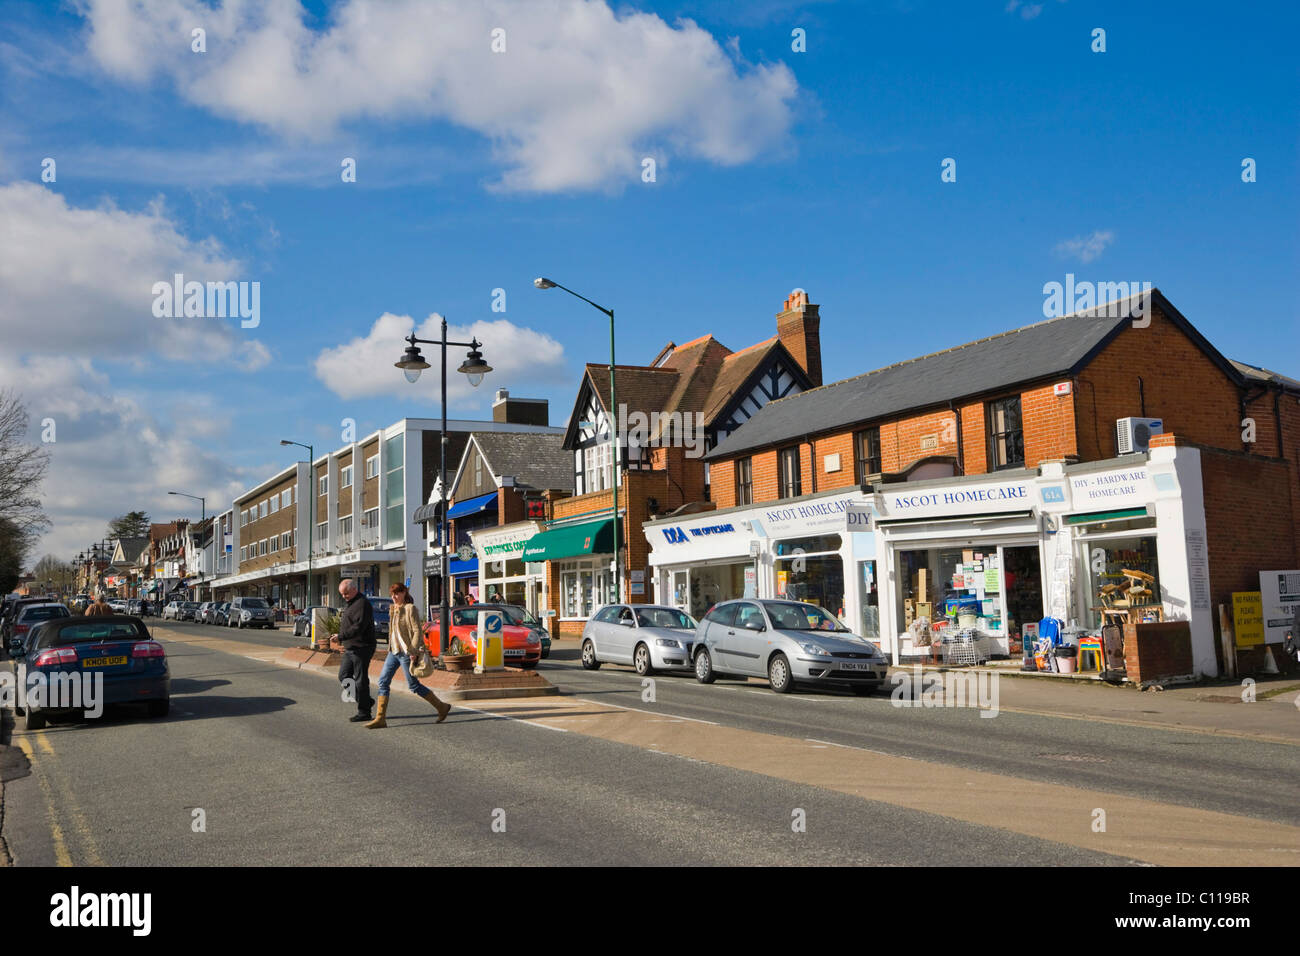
{"type": "Point", "coordinates": [787, 642]}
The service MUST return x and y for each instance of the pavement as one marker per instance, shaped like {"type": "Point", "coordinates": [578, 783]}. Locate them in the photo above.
{"type": "Point", "coordinates": [702, 774]}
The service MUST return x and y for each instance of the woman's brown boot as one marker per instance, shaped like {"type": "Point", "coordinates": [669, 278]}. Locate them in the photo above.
{"type": "Point", "coordinates": [379, 720]}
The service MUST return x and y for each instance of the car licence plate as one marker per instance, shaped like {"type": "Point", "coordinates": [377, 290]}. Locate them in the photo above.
{"type": "Point", "coordinates": [514, 652]}
{"type": "Point", "coordinates": [855, 666]}
{"type": "Point", "coordinates": [103, 662]}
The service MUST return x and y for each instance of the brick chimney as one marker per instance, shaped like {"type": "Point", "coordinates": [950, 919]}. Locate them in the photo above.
{"type": "Point", "coordinates": [799, 328]}
{"type": "Point", "coordinates": [520, 411]}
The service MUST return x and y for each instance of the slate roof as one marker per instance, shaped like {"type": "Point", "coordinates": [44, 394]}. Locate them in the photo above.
{"type": "Point", "coordinates": [537, 462]}
{"type": "Point", "coordinates": [1051, 348]}
{"type": "Point", "coordinates": [1261, 375]}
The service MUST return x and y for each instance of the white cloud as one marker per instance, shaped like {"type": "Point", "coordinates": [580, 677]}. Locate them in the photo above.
{"type": "Point", "coordinates": [78, 281]}
{"type": "Point", "coordinates": [1085, 248]}
{"type": "Point", "coordinates": [363, 367]}
{"type": "Point", "coordinates": [110, 454]}
{"type": "Point", "coordinates": [579, 96]}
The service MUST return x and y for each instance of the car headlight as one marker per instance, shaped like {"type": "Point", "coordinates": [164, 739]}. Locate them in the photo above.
{"type": "Point", "coordinates": [816, 650]}
{"type": "Point", "coordinates": [668, 642]}
{"type": "Point", "coordinates": [534, 637]}
{"type": "Point", "coordinates": [247, 615]}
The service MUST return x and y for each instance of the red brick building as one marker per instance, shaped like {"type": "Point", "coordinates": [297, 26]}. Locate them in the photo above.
{"type": "Point", "coordinates": [931, 442]}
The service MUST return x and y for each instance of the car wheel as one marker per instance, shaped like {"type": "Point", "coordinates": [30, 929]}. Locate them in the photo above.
{"type": "Point", "coordinates": [589, 661]}
{"type": "Point", "coordinates": [34, 720]}
{"type": "Point", "coordinates": [641, 660]}
{"type": "Point", "coordinates": [160, 708]}
{"type": "Point", "coordinates": [704, 672]}
{"type": "Point", "coordinates": [778, 674]}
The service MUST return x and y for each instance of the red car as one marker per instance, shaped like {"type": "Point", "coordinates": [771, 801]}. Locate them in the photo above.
{"type": "Point", "coordinates": [522, 642]}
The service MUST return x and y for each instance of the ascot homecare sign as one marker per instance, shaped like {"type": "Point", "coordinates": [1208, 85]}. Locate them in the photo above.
{"type": "Point", "coordinates": [981, 498]}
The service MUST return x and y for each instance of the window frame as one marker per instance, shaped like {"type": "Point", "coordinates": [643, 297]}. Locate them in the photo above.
{"type": "Point", "coordinates": [745, 481]}
{"type": "Point", "coordinates": [863, 461]}
{"type": "Point", "coordinates": [990, 409]}
{"type": "Point", "coordinates": [787, 489]}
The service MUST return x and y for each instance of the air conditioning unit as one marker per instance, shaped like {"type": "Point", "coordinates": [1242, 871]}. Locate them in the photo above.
{"type": "Point", "coordinates": [1134, 434]}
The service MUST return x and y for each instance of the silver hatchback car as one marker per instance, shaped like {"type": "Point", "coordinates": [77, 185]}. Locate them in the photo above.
{"type": "Point", "coordinates": [650, 637]}
{"type": "Point", "coordinates": [787, 642]}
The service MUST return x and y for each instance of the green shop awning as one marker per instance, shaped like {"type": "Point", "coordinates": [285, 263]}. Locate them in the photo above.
{"type": "Point", "coordinates": [1106, 516]}
{"type": "Point", "coordinates": [571, 541]}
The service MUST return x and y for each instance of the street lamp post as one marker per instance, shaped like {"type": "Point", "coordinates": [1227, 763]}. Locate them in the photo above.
{"type": "Point", "coordinates": [544, 283]}
{"type": "Point", "coordinates": [474, 368]}
{"type": "Point", "coordinates": [311, 514]}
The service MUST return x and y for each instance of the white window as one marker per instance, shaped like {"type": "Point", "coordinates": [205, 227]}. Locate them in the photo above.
{"type": "Point", "coordinates": [286, 498]}
{"type": "Point", "coordinates": [243, 517]}
{"type": "Point", "coordinates": [596, 468]}
{"type": "Point", "coordinates": [274, 545]}
{"type": "Point", "coordinates": [584, 586]}
{"type": "Point", "coordinates": [345, 525]}
{"type": "Point", "coordinates": [263, 551]}
{"type": "Point", "coordinates": [372, 466]}
{"type": "Point", "coordinates": [261, 509]}
{"type": "Point", "coordinates": [275, 503]}
{"type": "Point", "coordinates": [320, 531]}
{"type": "Point", "coordinates": [345, 476]}
{"type": "Point", "coordinates": [324, 485]}
{"type": "Point", "coordinates": [243, 553]}
{"type": "Point", "coordinates": [370, 520]}
{"type": "Point", "coordinates": [284, 541]}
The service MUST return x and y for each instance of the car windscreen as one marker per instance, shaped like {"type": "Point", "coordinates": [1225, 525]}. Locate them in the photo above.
{"type": "Point", "coordinates": [789, 616]}
{"type": "Point", "coordinates": [253, 602]}
{"type": "Point", "coordinates": [39, 613]}
{"type": "Point", "coordinates": [663, 617]}
{"type": "Point", "coordinates": [90, 632]}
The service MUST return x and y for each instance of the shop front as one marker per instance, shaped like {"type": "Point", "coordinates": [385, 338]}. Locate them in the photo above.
{"type": "Point", "coordinates": [504, 575]}
{"type": "Point", "coordinates": [802, 549]}
{"type": "Point", "coordinates": [990, 557]}
{"type": "Point", "coordinates": [579, 558]}
{"type": "Point", "coordinates": [961, 555]}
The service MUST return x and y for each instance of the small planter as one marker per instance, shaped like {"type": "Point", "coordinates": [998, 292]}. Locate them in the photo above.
{"type": "Point", "coordinates": [458, 662]}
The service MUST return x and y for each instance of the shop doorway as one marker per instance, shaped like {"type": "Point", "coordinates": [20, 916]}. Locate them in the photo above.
{"type": "Point", "coordinates": [1024, 582]}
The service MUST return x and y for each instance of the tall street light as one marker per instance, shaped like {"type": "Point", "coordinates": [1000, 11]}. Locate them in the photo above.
{"type": "Point", "coordinates": [203, 503]}
{"type": "Point", "coordinates": [311, 515]}
{"type": "Point", "coordinates": [474, 368]}
{"type": "Point", "coordinates": [544, 283]}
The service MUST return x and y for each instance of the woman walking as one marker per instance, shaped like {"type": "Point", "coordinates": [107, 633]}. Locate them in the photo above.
{"type": "Point", "coordinates": [405, 639]}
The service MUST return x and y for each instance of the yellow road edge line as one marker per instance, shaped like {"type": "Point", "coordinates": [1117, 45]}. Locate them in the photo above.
{"type": "Point", "coordinates": [61, 855]}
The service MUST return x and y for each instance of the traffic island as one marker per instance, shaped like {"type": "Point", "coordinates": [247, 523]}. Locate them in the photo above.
{"type": "Point", "coordinates": [449, 685]}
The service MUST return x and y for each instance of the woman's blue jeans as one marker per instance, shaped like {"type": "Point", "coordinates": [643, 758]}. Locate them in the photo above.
{"type": "Point", "coordinates": [391, 663]}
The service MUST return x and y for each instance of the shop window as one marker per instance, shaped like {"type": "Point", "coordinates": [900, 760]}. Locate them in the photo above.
{"type": "Point", "coordinates": [867, 445]}
{"type": "Point", "coordinates": [584, 588]}
{"type": "Point", "coordinates": [791, 473]}
{"type": "Point", "coordinates": [1006, 434]}
{"type": "Point", "coordinates": [745, 481]}
{"type": "Point", "coordinates": [813, 545]}
{"type": "Point", "coordinates": [1120, 573]}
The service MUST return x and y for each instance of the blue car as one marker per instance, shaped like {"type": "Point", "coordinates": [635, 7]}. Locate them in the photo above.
{"type": "Point", "coordinates": [65, 650]}
{"type": "Point", "coordinates": [381, 606]}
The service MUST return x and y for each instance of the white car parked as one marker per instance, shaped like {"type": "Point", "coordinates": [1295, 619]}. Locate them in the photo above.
{"type": "Point", "coordinates": [650, 637]}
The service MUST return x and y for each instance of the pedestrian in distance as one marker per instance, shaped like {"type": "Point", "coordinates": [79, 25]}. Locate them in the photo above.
{"type": "Point", "coordinates": [98, 608]}
{"type": "Point", "coordinates": [405, 645]}
{"type": "Point", "coordinates": [356, 640]}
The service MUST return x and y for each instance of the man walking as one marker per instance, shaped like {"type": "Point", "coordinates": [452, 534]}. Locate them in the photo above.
{"type": "Point", "coordinates": [356, 638]}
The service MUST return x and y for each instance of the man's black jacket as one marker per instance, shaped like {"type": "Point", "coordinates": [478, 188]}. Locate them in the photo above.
{"type": "Point", "coordinates": [357, 624]}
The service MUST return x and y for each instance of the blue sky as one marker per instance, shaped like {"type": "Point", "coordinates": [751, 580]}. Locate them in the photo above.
{"type": "Point", "coordinates": [477, 171]}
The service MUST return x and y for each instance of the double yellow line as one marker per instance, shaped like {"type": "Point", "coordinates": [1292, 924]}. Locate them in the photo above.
{"type": "Point", "coordinates": [62, 856]}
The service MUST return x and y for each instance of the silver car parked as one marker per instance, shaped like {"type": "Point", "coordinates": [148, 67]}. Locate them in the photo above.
{"type": "Point", "coordinates": [787, 642]}
{"type": "Point", "coordinates": [650, 637]}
